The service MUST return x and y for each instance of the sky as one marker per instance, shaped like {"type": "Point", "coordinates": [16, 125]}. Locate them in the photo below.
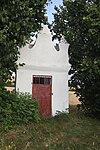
{"type": "Point", "coordinates": [50, 9]}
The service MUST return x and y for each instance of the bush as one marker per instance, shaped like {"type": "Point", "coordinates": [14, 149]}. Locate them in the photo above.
{"type": "Point", "coordinates": [17, 108]}
{"type": "Point", "coordinates": [88, 89]}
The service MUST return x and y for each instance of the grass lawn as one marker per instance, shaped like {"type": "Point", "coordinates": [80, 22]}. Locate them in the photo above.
{"type": "Point", "coordinates": [71, 131]}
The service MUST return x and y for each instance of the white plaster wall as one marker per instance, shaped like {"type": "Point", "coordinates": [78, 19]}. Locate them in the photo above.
{"type": "Point", "coordinates": [43, 59]}
{"type": "Point", "coordinates": [59, 87]}
{"type": "Point", "coordinates": [24, 81]}
{"type": "Point", "coordinates": [43, 52]}
{"type": "Point", "coordinates": [60, 92]}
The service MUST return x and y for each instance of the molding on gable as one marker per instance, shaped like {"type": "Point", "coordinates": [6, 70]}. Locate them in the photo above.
{"type": "Point", "coordinates": [45, 68]}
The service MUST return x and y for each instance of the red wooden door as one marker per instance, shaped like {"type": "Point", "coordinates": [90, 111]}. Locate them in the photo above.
{"type": "Point", "coordinates": [41, 90]}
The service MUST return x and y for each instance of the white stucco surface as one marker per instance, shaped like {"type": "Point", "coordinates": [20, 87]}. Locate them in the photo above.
{"type": "Point", "coordinates": [43, 59]}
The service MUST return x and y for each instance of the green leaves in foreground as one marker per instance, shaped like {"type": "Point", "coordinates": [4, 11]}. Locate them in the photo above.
{"type": "Point", "coordinates": [17, 108]}
{"type": "Point", "coordinates": [17, 20]}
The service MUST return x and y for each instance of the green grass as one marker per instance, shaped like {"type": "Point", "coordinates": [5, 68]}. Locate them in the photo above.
{"type": "Point", "coordinates": [72, 131]}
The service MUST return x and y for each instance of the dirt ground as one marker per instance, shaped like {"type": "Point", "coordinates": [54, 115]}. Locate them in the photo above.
{"type": "Point", "coordinates": [10, 88]}
{"type": "Point", "coordinates": [73, 100]}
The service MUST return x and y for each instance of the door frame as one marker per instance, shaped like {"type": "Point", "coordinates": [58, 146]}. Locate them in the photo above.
{"type": "Point", "coordinates": [44, 76]}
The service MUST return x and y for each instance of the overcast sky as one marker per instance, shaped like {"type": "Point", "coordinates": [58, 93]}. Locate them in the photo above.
{"type": "Point", "coordinates": [50, 9]}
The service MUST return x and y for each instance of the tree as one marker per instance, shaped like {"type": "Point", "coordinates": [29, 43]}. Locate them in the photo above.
{"type": "Point", "coordinates": [79, 22]}
{"type": "Point", "coordinates": [17, 20]}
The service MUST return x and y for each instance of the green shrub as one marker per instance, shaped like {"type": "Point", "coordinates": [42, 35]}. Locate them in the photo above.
{"type": "Point", "coordinates": [17, 108]}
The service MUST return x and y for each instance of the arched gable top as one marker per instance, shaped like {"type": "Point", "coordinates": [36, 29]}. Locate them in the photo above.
{"type": "Point", "coordinates": [44, 50]}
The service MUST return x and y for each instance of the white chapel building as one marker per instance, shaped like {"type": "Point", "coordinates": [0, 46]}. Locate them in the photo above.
{"type": "Point", "coordinates": [45, 73]}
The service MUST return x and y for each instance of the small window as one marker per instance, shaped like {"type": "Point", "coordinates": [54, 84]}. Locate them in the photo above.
{"type": "Point", "coordinates": [47, 81]}
{"type": "Point", "coordinates": [41, 80]}
{"type": "Point", "coordinates": [35, 80]}
{"type": "Point", "coordinates": [57, 47]}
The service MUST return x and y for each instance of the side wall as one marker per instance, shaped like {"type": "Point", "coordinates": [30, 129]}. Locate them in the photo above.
{"type": "Point", "coordinates": [59, 87]}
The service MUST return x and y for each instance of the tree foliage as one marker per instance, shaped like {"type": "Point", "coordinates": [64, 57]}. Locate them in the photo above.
{"type": "Point", "coordinates": [79, 22]}
{"type": "Point", "coordinates": [17, 20]}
